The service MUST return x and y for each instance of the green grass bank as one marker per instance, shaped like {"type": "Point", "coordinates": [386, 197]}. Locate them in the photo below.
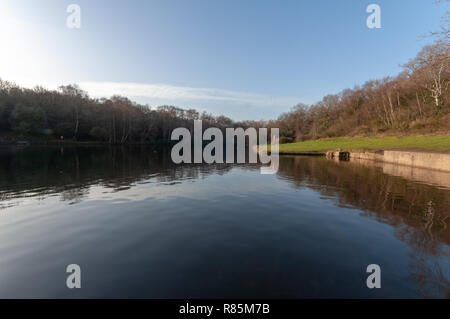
{"type": "Point", "coordinates": [418, 143]}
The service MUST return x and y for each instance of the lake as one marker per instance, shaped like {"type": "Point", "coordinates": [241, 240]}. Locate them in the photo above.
{"type": "Point", "coordinates": [140, 226]}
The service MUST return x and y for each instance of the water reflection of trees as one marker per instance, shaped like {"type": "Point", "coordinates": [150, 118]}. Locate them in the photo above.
{"type": "Point", "coordinates": [418, 213]}
{"type": "Point", "coordinates": [409, 206]}
{"type": "Point", "coordinates": [71, 171]}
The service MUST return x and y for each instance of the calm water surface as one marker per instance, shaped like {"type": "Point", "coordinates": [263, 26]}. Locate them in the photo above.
{"type": "Point", "coordinates": [140, 226]}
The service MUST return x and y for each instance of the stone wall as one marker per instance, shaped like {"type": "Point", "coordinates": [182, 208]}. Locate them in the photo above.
{"type": "Point", "coordinates": [436, 161]}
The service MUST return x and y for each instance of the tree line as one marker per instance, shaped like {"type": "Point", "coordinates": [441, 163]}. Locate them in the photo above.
{"type": "Point", "coordinates": [417, 99]}
{"type": "Point", "coordinates": [69, 113]}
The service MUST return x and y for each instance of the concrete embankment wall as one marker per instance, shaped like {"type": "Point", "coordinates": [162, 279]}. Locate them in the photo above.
{"type": "Point", "coordinates": [436, 161]}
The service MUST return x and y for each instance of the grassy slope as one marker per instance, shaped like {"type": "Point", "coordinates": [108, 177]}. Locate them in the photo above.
{"type": "Point", "coordinates": [426, 143]}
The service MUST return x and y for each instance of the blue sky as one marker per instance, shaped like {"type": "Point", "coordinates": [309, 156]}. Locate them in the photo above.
{"type": "Point", "coordinates": [247, 59]}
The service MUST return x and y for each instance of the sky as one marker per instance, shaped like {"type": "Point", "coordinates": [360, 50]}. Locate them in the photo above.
{"type": "Point", "coordinates": [246, 59]}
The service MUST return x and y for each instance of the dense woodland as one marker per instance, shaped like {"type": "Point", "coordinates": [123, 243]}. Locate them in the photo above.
{"type": "Point", "coordinates": [69, 113]}
{"type": "Point", "coordinates": [415, 101]}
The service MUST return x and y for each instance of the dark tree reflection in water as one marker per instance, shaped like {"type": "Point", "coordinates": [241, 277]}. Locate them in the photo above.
{"type": "Point", "coordinates": [420, 214]}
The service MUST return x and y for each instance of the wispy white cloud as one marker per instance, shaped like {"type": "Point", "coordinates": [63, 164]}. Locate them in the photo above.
{"type": "Point", "coordinates": [170, 93]}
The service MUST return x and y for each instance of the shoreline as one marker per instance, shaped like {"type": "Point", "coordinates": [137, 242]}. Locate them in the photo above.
{"type": "Point", "coordinates": [437, 161]}
{"type": "Point", "coordinates": [425, 159]}
{"type": "Point", "coordinates": [432, 160]}
{"type": "Point", "coordinates": [428, 152]}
